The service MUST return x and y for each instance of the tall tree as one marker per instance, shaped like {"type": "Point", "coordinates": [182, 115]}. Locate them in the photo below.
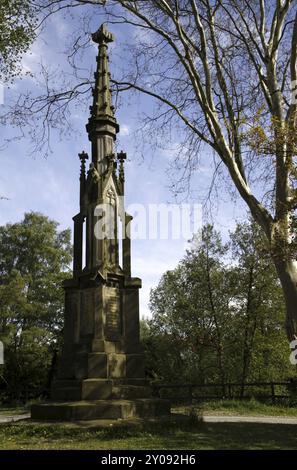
{"type": "Point", "coordinates": [219, 315]}
{"type": "Point", "coordinates": [34, 259]}
{"type": "Point", "coordinates": [228, 68]}
{"type": "Point", "coordinates": [258, 300]}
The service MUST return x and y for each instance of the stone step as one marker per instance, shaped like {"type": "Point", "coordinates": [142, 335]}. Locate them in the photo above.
{"type": "Point", "coordinates": [130, 392]}
{"type": "Point", "coordinates": [66, 393]}
{"type": "Point", "coordinates": [101, 409]}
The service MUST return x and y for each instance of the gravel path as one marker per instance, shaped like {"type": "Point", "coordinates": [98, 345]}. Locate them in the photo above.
{"type": "Point", "coordinates": [10, 419]}
{"type": "Point", "coordinates": [249, 419]}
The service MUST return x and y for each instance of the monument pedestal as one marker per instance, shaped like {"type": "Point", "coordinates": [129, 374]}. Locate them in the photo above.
{"type": "Point", "coordinates": [101, 372]}
{"type": "Point", "coordinates": [101, 409]}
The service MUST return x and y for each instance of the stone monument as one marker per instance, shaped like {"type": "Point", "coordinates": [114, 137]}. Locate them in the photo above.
{"type": "Point", "coordinates": [101, 371]}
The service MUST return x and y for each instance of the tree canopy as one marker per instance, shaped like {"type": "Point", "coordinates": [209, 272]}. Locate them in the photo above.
{"type": "Point", "coordinates": [218, 316]}
{"type": "Point", "coordinates": [17, 31]}
{"type": "Point", "coordinates": [34, 259]}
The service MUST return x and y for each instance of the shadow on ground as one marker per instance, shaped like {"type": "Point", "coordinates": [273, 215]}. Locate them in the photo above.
{"type": "Point", "coordinates": [174, 435]}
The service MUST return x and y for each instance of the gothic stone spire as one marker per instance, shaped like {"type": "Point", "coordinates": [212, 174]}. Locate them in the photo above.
{"type": "Point", "coordinates": [102, 122]}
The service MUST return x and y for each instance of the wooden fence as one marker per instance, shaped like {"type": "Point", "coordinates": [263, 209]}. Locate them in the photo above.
{"type": "Point", "coordinates": [228, 391]}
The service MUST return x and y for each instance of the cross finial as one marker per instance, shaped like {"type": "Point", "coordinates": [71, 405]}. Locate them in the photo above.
{"type": "Point", "coordinates": [122, 156]}
{"type": "Point", "coordinates": [83, 156]}
{"type": "Point", "coordinates": [102, 36]}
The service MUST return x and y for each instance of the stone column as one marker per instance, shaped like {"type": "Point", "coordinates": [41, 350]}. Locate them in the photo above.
{"type": "Point", "coordinates": [78, 242]}
{"type": "Point", "coordinates": [127, 246]}
{"type": "Point", "coordinates": [89, 238]}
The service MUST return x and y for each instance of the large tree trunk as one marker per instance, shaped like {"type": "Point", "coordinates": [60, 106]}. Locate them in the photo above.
{"type": "Point", "coordinates": [287, 272]}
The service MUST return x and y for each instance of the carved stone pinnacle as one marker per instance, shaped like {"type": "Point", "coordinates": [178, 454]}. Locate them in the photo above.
{"type": "Point", "coordinates": [102, 36]}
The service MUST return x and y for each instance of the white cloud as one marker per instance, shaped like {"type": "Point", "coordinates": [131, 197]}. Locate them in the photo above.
{"type": "Point", "coordinates": [124, 129]}
{"type": "Point", "coordinates": [39, 53]}
{"type": "Point", "coordinates": [31, 59]}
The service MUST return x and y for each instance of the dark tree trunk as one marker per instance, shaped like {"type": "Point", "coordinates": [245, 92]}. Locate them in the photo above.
{"type": "Point", "coordinates": [287, 272]}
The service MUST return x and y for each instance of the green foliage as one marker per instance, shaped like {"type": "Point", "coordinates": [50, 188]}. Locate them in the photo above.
{"type": "Point", "coordinates": [17, 24]}
{"type": "Point", "coordinates": [250, 407]}
{"type": "Point", "coordinates": [34, 258]}
{"type": "Point", "coordinates": [218, 316]}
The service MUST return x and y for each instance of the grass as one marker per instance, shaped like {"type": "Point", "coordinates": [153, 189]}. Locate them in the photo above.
{"type": "Point", "coordinates": [215, 407]}
{"type": "Point", "coordinates": [190, 436]}
{"type": "Point", "coordinates": [241, 408]}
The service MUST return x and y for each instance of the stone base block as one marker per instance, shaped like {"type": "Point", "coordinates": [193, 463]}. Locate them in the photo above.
{"type": "Point", "coordinates": [96, 389]}
{"type": "Point", "coordinates": [97, 365]}
{"type": "Point", "coordinates": [103, 365]}
{"type": "Point", "coordinates": [99, 389]}
{"type": "Point", "coordinates": [101, 409]}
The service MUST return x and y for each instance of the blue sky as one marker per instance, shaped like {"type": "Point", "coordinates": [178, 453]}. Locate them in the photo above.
{"type": "Point", "coordinates": [50, 185]}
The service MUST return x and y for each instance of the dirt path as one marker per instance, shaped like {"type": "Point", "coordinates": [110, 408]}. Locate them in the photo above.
{"type": "Point", "coordinates": [11, 418]}
{"type": "Point", "coordinates": [249, 419]}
